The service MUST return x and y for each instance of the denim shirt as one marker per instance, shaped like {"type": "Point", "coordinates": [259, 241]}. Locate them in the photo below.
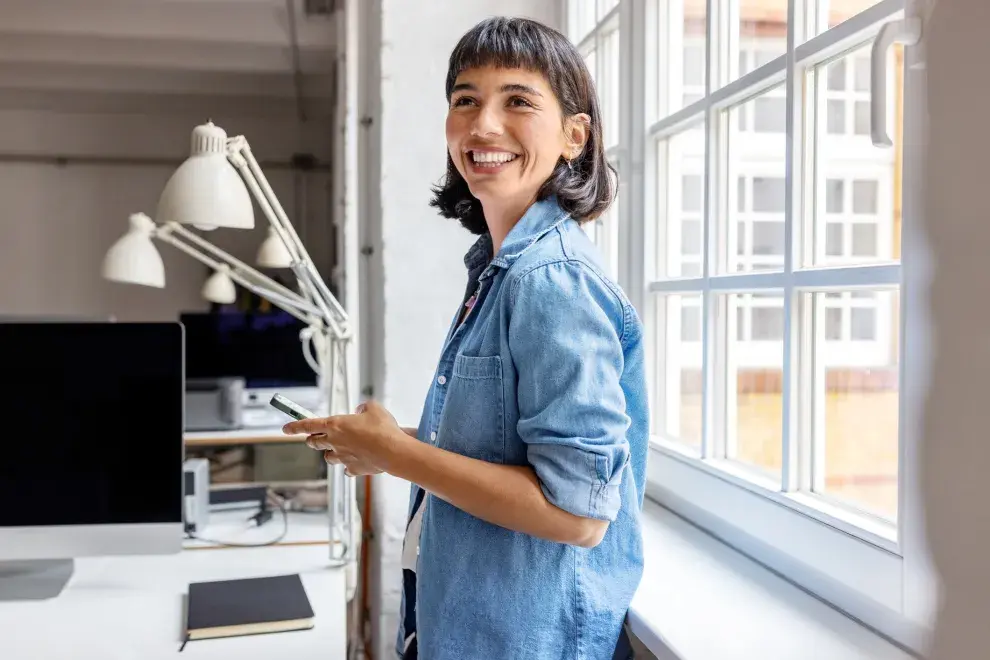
{"type": "Point", "coordinates": [547, 370]}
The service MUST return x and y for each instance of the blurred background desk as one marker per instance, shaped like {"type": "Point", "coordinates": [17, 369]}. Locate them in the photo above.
{"type": "Point", "coordinates": [258, 456]}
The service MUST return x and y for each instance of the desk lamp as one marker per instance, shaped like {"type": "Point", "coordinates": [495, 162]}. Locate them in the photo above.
{"type": "Point", "coordinates": [210, 190]}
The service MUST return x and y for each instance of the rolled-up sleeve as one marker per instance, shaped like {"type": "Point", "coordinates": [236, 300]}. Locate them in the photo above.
{"type": "Point", "coordinates": [565, 338]}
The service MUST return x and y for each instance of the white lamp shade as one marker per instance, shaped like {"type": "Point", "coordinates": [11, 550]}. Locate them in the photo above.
{"type": "Point", "coordinates": [219, 288]}
{"type": "Point", "coordinates": [134, 259]}
{"type": "Point", "coordinates": [273, 253]}
{"type": "Point", "coordinates": [206, 191]}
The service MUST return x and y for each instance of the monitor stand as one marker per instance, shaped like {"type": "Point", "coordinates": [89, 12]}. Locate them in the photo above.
{"type": "Point", "coordinates": [34, 580]}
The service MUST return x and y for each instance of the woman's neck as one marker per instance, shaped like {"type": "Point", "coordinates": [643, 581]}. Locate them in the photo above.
{"type": "Point", "coordinates": [501, 216]}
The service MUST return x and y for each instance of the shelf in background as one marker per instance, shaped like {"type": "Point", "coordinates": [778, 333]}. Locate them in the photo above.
{"type": "Point", "coordinates": [262, 436]}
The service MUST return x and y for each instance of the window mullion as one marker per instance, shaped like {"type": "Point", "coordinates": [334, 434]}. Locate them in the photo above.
{"type": "Point", "coordinates": [793, 405]}
{"type": "Point", "coordinates": [713, 322]}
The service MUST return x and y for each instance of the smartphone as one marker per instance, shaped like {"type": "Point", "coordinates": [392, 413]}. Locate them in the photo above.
{"type": "Point", "coordinates": [290, 408]}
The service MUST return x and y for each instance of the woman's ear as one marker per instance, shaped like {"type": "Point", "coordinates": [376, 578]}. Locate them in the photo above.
{"type": "Point", "coordinates": [577, 130]}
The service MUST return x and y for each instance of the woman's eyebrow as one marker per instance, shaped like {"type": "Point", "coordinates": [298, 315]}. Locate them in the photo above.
{"type": "Point", "coordinates": [508, 87]}
{"type": "Point", "coordinates": [520, 88]}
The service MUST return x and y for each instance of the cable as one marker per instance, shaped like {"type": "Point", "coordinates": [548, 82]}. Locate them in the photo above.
{"type": "Point", "coordinates": [234, 544]}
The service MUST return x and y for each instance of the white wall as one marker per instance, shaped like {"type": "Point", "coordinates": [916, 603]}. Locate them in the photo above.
{"type": "Point", "coordinates": [956, 453]}
{"type": "Point", "coordinates": [415, 275]}
{"type": "Point", "coordinates": [57, 221]}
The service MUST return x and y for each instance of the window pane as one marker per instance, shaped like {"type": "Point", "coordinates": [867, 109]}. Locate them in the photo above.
{"type": "Point", "coordinates": [834, 12]}
{"type": "Point", "coordinates": [837, 76]}
{"type": "Point", "coordinates": [694, 65]}
{"type": "Point", "coordinates": [681, 35]}
{"type": "Point", "coordinates": [833, 239]}
{"type": "Point", "coordinates": [682, 382]}
{"type": "Point", "coordinates": [864, 240]}
{"type": "Point", "coordinates": [692, 196]}
{"type": "Point", "coordinates": [863, 324]}
{"type": "Point", "coordinates": [835, 190]}
{"type": "Point", "coordinates": [855, 181]}
{"type": "Point", "coordinates": [768, 194]}
{"type": "Point", "coordinates": [767, 323]}
{"type": "Point", "coordinates": [608, 87]}
{"type": "Point", "coordinates": [762, 29]}
{"type": "Point", "coordinates": [768, 238]}
{"type": "Point", "coordinates": [591, 61]}
{"type": "Point", "coordinates": [865, 197]}
{"type": "Point", "coordinates": [771, 115]}
{"type": "Point", "coordinates": [691, 237]}
{"type": "Point", "coordinates": [691, 323]}
{"type": "Point", "coordinates": [757, 163]}
{"type": "Point", "coordinates": [753, 434]}
{"type": "Point", "coordinates": [691, 99]}
{"type": "Point", "coordinates": [605, 6]}
{"type": "Point", "coordinates": [836, 112]}
{"type": "Point", "coordinates": [855, 396]}
{"type": "Point", "coordinates": [680, 196]}
{"type": "Point", "coordinates": [861, 80]}
{"type": "Point", "coordinates": [833, 323]}
{"type": "Point", "coordinates": [581, 15]}
{"type": "Point", "coordinates": [862, 117]}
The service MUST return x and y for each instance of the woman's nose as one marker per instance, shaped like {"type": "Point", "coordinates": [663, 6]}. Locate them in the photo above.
{"type": "Point", "coordinates": [487, 123]}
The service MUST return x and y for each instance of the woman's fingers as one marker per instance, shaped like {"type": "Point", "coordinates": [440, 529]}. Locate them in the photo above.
{"type": "Point", "coordinates": [319, 441]}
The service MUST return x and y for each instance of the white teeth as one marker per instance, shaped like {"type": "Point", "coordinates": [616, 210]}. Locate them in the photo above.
{"type": "Point", "coordinates": [492, 157]}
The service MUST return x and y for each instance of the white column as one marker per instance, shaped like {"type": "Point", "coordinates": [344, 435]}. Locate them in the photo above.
{"type": "Point", "coordinates": [956, 450]}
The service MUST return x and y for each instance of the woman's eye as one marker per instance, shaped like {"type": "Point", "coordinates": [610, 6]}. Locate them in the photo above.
{"type": "Point", "coordinates": [463, 101]}
{"type": "Point", "coordinates": [520, 102]}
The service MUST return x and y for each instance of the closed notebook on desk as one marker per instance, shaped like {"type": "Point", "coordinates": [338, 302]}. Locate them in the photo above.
{"type": "Point", "coordinates": [252, 606]}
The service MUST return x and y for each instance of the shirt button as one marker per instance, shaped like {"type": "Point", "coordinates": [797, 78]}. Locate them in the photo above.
{"type": "Point", "coordinates": [442, 380]}
{"type": "Point", "coordinates": [433, 436]}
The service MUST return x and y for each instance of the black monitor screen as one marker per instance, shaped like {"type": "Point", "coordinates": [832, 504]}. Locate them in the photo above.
{"type": "Point", "coordinates": [92, 419]}
{"type": "Point", "coordinates": [263, 348]}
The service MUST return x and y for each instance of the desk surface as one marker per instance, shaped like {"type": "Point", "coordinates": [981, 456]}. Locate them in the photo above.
{"type": "Point", "coordinates": [272, 435]}
{"type": "Point", "coordinates": [133, 608]}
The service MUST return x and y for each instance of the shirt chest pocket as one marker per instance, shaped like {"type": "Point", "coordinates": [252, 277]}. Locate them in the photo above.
{"type": "Point", "coordinates": [473, 419]}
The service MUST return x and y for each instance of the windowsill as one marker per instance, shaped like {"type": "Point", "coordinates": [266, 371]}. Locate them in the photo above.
{"type": "Point", "coordinates": [699, 599]}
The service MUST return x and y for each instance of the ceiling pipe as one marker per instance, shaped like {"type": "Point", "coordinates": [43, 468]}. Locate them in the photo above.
{"type": "Point", "coordinates": [297, 76]}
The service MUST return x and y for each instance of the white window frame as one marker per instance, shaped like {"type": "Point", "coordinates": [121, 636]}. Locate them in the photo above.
{"type": "Point", "coordinates": [876, 572]}
{"type": "Point", "coordinates": [604, 231]}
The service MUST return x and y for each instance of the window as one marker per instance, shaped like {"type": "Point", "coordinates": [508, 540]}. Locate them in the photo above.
{"type": "Point", "coordinates": [762, 245]}
{"type": "Point", "coordinates": [594, 26]}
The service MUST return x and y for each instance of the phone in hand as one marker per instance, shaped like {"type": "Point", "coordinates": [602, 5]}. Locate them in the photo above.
{"type": "Point", "coordinates": [290, 408]}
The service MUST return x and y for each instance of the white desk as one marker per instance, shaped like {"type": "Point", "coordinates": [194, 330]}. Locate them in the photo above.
{"type": "Point", "coordinates": [133, 608]}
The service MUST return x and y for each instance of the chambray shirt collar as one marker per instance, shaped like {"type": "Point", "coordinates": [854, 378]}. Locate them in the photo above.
{"type": "Point", "coordinates": [542, 217]}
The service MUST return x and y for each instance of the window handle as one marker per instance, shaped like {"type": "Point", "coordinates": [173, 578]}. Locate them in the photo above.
{"type": "Point", "coordinates": [907, 32]}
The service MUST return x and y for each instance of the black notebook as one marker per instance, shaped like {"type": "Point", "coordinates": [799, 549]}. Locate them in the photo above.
{"type": "Point", "coordinates": [253, 606]}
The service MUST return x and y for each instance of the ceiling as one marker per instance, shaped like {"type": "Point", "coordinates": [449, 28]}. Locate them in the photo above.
{"type": "Point", "coordinates": [130, 55]}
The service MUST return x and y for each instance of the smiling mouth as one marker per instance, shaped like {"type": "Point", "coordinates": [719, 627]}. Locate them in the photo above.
{"type": "Point", "coordinates": [491, 160]}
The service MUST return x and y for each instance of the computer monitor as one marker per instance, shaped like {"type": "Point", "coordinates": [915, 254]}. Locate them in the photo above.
{"type": "Point", "coordinates": [263, 348]}
{"type": "Point", "coordinates": [91, 448]}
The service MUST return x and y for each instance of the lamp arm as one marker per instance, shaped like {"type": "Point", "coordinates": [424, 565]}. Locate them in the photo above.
{"type": "Point", "coordinates": [229, 259]}
{"type": "Point", "coordinates": [291, 304]}
{"type": "Point", "coordinates": [239, 153]}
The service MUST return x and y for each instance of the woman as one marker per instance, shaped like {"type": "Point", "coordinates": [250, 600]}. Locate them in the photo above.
{"type": "Point", "coordinates": [528, 472]}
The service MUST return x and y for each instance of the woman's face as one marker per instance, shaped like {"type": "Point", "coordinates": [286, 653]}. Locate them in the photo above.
{"type": "Point", "coordinates": [506, 133]}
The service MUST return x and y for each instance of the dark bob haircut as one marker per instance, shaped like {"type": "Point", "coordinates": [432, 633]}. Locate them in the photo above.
{"type": "Point", "coordinates": [586, 188]}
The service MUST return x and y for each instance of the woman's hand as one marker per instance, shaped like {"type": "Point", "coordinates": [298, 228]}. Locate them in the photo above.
{"type": "Point", "coordinates": [364, 443]}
